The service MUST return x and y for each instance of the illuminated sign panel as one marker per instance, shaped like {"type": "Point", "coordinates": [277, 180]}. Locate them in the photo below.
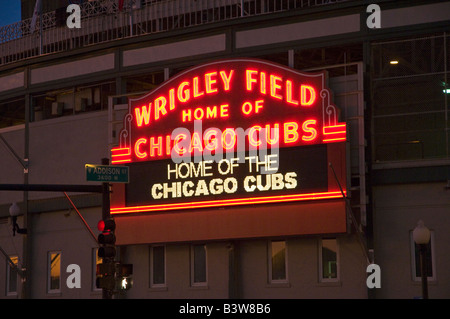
{"type": "Point", "coordinates": [232, 132]}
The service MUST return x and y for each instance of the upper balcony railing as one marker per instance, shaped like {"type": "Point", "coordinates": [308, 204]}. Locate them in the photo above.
{"type": "Point", "coordinates": [103, 21]}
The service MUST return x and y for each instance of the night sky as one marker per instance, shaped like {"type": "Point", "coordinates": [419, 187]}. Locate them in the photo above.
{"type": "Point", "coordinates": [10, 11]}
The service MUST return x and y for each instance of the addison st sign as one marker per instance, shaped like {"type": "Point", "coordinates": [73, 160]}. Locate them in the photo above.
{"type": "Point", "coordinates": [231, 149]}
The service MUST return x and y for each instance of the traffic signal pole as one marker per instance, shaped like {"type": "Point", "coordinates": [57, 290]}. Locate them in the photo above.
{"type": "Point", "coordinates": [106, 201]}
{"type": "Point", "coordinates": [108, 238]}
{"type": "Point", "coordinates": [106, 214]}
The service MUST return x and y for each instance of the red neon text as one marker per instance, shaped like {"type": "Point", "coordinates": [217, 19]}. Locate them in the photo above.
{"type": "Point", "coordinates": [208, 84]}
{"type": "Point", "coordinates": [279, 88]}
{"type": "Point", "coordinates": [284, 134]}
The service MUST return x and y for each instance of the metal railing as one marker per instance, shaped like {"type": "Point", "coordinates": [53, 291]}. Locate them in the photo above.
{"type": "Point", "coordinates": [103, 21]}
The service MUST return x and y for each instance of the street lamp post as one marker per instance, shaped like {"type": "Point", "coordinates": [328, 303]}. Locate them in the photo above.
{"type": "Point", "coordinates": [14, 211]}
{"type": "Point", "coordinates": [421, 235]}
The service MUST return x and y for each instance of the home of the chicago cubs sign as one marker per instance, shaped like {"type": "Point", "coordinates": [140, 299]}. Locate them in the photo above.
{"type": "Point", "coordinates": [230, 133]}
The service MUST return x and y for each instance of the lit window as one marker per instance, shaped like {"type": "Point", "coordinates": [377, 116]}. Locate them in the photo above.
{"type": "Point", "coordinates": [198, 265]}
{"type": "Point", "coordinates": [328, 260]}
{"type": "Point", "coordinates": [277, 262]}
{"type": "Point", "coordinates": [429, 257]}
{"type": "Point", "coordinates": [54, 271]}
{"type": "Point", "coordinates": [11, 277]}
{"type": "Point", "coordinates": [157, 266]}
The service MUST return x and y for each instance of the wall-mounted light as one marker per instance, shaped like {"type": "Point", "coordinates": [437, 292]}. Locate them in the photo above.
{"type": "Point", "coordinates": [393, 62]}
{"type": "Point", "coordinates": [14, 211]}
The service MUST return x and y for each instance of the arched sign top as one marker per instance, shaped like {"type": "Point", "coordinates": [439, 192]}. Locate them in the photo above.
{"type": "Point", "coordinates": [206, 107]}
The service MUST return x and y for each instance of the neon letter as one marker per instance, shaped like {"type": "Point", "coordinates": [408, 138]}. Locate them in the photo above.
{"type": "Point", "coordinates": [198, 113]}
{"type": "Point", "coordinates": [226, 79]}
{"type": "Point", "coordinates": [231, 144]}
{"type": "Point", "coordinates": [183, 95]}
{"type": "Point", "coordinates": [258, 105]}
{"type": "Point", "coordinates": [196, 143]}
{"type": "Point", "coordinates": [290, 132]}
{"type": "Point", "coordinates": [209, 81]}
{"type": "Point", "coordinates": [144, 116]}
{"type": "Point", "coordinates": [289, 93]}
{"type": "Point", "coordinates": [251, 140]}
{"type": "Point", "coordinates": [276, 129]}
{"type": "Point", "coordinates": [263, 82]}
{"type": "Point", "coordinates": [311, 130]}
{"type": "Point", "coordinates": [211, 143]}
{"type": "Point", "coordinates": [249, 79]}
{"type": "Point", "coordinates": [154, 145]}
{"type": "Point", "coordinates": [197, 93]}
{"type": "Point", "coordinates": [186, 115]}
{"type": "Point", "coordinates": [160, 106]}
{"type": "Point", "coordinates": [171, 99]}
{"type": "Point", "coordinates": [224, 110]}
{"type": "Point", "coordinates": [303, 92]}
{"type": "Point", "coordinates": [176, 148]}
{"type": "Point", "coordinates": [211, 112]}
{"type": "Point", "coordinates": [137, 150]}
{"type": "Point", "coordinates": [275, 86]}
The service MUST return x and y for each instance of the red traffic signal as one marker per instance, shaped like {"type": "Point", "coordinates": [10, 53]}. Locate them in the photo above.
{"type": "Point", "coordinates": [108, 225]}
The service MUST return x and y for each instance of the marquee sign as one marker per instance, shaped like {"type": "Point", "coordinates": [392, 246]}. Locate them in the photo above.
{"type": "Point", "coordinates": [227, 133]}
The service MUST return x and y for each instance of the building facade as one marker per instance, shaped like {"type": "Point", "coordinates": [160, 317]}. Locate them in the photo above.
{"type": "Point", "coordinates": [65, 95]}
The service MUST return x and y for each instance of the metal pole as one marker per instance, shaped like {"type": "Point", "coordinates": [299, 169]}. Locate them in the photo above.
{"type": "Point", "coordinates": [52, 188]}
{"type": "Point", "coordinates": [41, 42]}
{"type": "Point", "coordinates": [27, 220]}
{"type": "Point", "coordinates": [81, 217]}
{"type": "Point", "coordinates": [424, 272]}
{"type": "Point", "coordinates": [353, 218]}
{"type": "Point", "coordinates": [106, 293]}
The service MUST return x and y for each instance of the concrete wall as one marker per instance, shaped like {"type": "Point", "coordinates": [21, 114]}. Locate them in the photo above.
{"type": "Point", "coordinates": [398, 208]}
{"type": "Point", "coordinates": [64, 231]}
{"type": "Point", "coordinates": [252, 271]}
{"type": "Point", "coordinates": [58, 150]}
{"type": "Point", "coordinates": [303, 271]}
{"type": "Point", "coordinates": [178, 284]}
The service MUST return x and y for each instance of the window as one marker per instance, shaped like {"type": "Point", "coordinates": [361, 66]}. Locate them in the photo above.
{"type": "Point", "coordinates": [429, 256]}
{"type": "Point", "coordinates": [54, 271]}
{"type": "Point", "coordinates": [410, 100]}
{"type": "Point", "coordinates": [95, 261]}
{"type": "Point", "coordinates": [72, 100]}
{"type": "Point", "coordinates": [157, 266]}
{"type": "Point", "coordinates": [198, 265]}
{"type": "Point", "coordinates": [277, 262]}
{"type": "Point", "coordinates": [145, 82]}
{"type": "Point", "coordinates": [12, 112]}
{"type": "Point", "coordinates": [328, 260]}
{"type": "Point", "coordinates": [11, 277]}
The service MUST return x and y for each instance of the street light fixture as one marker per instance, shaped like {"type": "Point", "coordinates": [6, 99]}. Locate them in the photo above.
{"type": "Point", "coordinates": [14, 211]}
{"type": "Point", "coordinates": [421, 235]}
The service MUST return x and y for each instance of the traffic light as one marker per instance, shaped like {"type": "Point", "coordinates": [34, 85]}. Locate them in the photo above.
{"type": "Point", "coordinates": [114, 276]}
{"type": "Point", "coordinates": [107, 238]}
{"type": "Point", "coordinates": [124, 280]}
{"type": "Point", "coordinates": [106, 278]}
